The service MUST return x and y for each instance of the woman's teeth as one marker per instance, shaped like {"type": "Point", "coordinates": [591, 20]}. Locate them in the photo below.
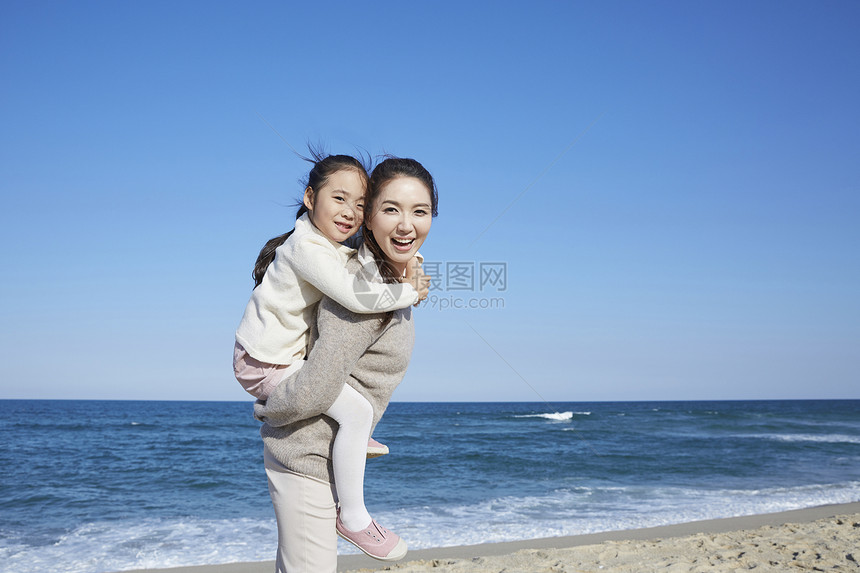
{"type": "Point", "coordinates": [403, 244]}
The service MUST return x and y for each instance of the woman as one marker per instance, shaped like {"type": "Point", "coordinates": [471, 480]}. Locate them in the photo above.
{"type": "Point", "coordinates": [370, 353]}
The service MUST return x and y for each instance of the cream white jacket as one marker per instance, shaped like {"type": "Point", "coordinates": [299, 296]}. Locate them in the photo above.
{"type": "Point", "coordinates": [275, 326]}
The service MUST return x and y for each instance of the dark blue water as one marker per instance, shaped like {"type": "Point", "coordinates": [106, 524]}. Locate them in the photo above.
{"type": "Point", "coordinates": [91, 486]}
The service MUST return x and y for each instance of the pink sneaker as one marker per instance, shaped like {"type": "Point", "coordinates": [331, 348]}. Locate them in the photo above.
{"type": "Point", "coordinates": [375, 541]}
{"type": "Point", "coordinates": [375, 449]}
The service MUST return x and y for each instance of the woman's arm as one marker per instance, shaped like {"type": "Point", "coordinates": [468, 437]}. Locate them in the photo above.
{"type": "Point", "coordinates": [342, 338]}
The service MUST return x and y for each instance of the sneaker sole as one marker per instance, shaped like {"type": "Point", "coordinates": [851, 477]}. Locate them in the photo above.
{"type": "Point", "coordinates": [376, 452]}
{"type": "Point", "coordinates": [398, 553]}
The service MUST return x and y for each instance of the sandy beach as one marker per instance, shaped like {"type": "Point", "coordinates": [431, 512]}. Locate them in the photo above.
{"type": "Point", "coordinates": [824, 538]}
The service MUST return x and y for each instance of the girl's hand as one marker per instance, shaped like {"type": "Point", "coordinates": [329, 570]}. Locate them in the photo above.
{"type": "Point", "coordinates": [416, 277]}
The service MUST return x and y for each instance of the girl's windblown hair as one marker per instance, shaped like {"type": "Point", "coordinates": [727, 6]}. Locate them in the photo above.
{"type": "Point", "coordinates": [324, 166]}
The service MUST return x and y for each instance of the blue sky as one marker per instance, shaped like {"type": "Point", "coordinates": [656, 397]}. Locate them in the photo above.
{"type": "Point", "coordinates": [673, 189]}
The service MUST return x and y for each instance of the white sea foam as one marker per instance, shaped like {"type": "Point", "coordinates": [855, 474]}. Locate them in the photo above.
{"type": "Point", "coordinates": [144, 544]}
{"type": "Point", "coordinates": [161, 543]}
{"type": "Point", "coordinates": [821, 438]}
{"type": "Point", "coordinates": [560, 416]}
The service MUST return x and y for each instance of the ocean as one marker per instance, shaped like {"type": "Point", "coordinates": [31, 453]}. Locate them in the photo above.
{"type": "Point", "coordinates": [102, 486]}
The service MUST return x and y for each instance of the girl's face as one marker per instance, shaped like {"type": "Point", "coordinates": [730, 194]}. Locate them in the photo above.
{"type": "Point", "coordinates": [337, 208]}
{"type": "Point", "coordinates": [401, 219]}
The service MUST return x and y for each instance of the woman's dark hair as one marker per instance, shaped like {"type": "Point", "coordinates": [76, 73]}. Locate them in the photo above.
{"type": "Point", "coordinates": [390, 169]}
{"type": "Point", "coordinates": [324, 167]}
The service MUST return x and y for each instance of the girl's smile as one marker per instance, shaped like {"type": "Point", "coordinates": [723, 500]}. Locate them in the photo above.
{"type": "Point", "coordinates": [337, 208]}
{"type": "Point", "coordinates": [344, 227]}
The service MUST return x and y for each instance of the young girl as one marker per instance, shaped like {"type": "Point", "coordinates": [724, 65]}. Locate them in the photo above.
{"type": "Point", "coordinates": [367, 353]}
{"type": "Point", "coordinates": [291, 275]}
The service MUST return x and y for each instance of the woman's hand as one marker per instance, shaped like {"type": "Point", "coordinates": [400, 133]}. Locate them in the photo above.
{"type": "Point", "coordinates": [416, 277]}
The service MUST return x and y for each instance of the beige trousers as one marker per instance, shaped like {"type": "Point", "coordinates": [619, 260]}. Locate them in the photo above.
{"type": "Point", "coordinates": [305, 512]}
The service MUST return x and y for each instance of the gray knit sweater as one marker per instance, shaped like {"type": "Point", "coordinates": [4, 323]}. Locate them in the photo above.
{"type": "Point", "coordinates": [345, 348]}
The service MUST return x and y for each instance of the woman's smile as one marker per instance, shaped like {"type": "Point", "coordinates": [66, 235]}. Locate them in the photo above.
{"type": "Point", "coordinates": [401, 219]}
{"type": "Point", "coordinates": [403, 245]}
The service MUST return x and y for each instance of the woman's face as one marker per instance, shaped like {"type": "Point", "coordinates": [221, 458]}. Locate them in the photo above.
{"type": "Point", "coordinates": [401, 219]}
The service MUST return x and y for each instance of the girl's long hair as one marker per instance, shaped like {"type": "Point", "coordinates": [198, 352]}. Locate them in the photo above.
{"type": "Point", "coordinates": [324, 166]}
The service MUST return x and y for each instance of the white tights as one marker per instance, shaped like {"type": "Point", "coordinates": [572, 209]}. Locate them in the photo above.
{"type": "Point", "coordinates": [354, 416]}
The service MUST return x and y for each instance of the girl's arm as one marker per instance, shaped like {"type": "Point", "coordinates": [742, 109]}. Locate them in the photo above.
{"type": "Point", "coordinates": [320, 265]}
